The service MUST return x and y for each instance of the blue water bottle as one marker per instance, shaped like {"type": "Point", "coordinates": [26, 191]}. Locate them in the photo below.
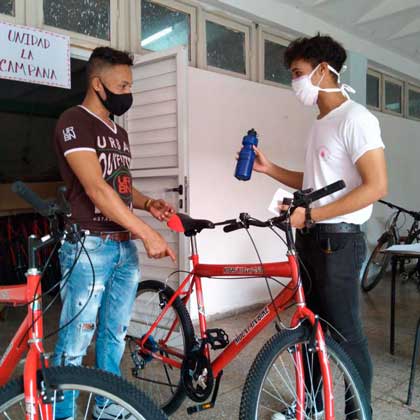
{"type": "Point", "coordinates": [246, 156]}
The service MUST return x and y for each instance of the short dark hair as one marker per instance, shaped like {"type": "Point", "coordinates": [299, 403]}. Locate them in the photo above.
{"type": "Point", "coordinates": [316, 50]}
{"type": "Point", "coordinates": [102, 57]}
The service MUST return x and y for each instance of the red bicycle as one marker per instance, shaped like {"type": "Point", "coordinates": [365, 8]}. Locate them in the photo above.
{"type": "Point", "coordinates": [36, 394]}
{"type": "Point", "coordinates": [299, 373]}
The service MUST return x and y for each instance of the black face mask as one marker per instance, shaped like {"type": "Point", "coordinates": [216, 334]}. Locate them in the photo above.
{"type": "Point", "coordinates": [116, 104]}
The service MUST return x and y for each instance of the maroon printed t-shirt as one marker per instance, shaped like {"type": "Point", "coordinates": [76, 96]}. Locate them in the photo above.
{"type": "Point", "coordinates": [80, 129]}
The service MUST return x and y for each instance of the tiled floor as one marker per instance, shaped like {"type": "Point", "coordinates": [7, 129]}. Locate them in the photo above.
{"type": "Point", "coordinates": [391, 373]}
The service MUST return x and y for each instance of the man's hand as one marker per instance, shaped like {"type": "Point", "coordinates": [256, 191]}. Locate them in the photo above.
{"type": "Point", "coordinates": [261, 163]}
{"type": "Point", "coordinates": [297, 219]}
{"type": "Point", "coordinates": [155, 245]}
{"type": "Point", "coordinates": [161, 210]}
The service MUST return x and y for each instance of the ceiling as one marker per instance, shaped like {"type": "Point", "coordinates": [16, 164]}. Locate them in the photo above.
{"type": "Point", "coordinates": [392, 24]}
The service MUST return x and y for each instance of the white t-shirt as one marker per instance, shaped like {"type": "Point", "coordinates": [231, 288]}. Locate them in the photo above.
{"type": "Point", "coordinates": [335, 144]}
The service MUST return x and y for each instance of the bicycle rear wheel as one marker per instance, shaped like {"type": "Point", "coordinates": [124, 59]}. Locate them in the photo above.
{"type": "Point", "coordinates": [270, 387]}
{"type": "Point", "coordinates": [173, 338]}
{"type": "Point", "coordinates": [376, 265]}
{"type": "Point", "coordinates": [85, 384]}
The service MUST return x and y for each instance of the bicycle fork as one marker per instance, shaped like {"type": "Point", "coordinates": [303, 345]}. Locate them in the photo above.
{"type": "Point", "coordinates": [317, 343]}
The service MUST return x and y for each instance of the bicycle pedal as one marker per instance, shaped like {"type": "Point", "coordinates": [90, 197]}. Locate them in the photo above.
{"type": "Point", "coordinates": [201, 407]}
{"type": "Point", "coordinates": [217, 338]}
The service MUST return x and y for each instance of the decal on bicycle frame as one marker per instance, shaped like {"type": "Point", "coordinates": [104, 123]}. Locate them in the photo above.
{"type": "Point", "coordinates": [257, 269]}
{"type": "Point", "coordinates": [252, 325]}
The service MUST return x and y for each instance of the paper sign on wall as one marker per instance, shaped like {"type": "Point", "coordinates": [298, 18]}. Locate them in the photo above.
{"type": "Point", "coordinates": [34, 56]}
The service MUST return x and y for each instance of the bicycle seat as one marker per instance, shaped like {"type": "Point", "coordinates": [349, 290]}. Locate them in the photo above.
{"type": "Point", "coordinates": [190, 227]}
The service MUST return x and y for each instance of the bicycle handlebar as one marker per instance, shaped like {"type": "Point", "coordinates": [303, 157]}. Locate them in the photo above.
{"type": "Point", "coordinates": [300, 198]}
{"type": "Point", "coordinates": [43, 207]}
{"type": "Point", "coordinates": [414, 214]}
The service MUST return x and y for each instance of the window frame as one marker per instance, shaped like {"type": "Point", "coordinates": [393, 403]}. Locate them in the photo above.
{"type": "Point", "coordinates": [410, 86]}
{"type": "Point", "coordinates": [19, 17]}
{"type": "Point", "coordinates": [395, 81]}
{"type": "Point", "coordinates": [35, 17]}
{"type": "Point", "coordinates": [264, 35]}
{"type": "Point", "coordinates": [170, 4]}
{"type": "Point", "coordinates": [379, 76]}
{"type": "Point", "coordinates": [230, 24]}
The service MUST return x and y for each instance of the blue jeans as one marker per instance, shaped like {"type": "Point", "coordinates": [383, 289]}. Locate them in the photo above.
{"type": "Point", "coordinates": [108, 295]}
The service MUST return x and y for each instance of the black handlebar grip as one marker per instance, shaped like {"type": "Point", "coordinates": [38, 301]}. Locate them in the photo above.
{"type": "Point", "coordinates": [64, 205]}
{"type": "Point", "coordinates": [31, 197]}
{"type": "Point", "coordinates": [233, 226]}
{"type": "Point", "coordinates": [329, 189]}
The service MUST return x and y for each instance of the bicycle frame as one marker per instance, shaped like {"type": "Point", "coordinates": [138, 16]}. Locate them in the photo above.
{"type": "Point", "coordinates": [29, 336]}
{"type": "Point", "coordinates": [292, 292]}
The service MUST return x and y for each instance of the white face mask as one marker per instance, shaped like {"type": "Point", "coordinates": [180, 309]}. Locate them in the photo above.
{"type": "Point", "coordinates": [307, 92]}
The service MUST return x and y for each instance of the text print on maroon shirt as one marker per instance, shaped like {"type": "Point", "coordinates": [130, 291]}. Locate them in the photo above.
{"type": "Point", "coordinates": [78, 129]}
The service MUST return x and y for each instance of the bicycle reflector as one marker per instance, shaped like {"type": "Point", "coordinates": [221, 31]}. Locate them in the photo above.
{"type": "Point", "coordinates": [175, 224]}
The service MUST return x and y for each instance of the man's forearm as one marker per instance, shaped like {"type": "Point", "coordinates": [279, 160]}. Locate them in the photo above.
{"type": "Point", "coordinates": [112, 207]}
{"type": "Point", "coordinates": [291, 179]}
{"type": "Point", "coordinates": [357, 199]}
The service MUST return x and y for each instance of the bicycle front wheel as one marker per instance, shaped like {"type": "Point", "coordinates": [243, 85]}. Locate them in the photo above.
{"type": "Point", "coordinates": [376, 265]}
{"type": "Point", "coordinates": [270, 388]}
{"type": "Point", "coordinates": [172, 339]}
{"type": "Point", "coordinates": [82, 386]}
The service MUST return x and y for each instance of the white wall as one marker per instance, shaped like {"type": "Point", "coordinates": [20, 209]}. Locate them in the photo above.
{"type": "Point", "coordinates": [402, 141]}
{"type": "Point", "coordinates": [221, 110]}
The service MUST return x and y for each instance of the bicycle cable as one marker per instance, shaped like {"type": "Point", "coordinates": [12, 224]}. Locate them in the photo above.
{"type": "Point", "coordinates": [62, 283]}
{"type": "Point", "coordinates": [88, 299]}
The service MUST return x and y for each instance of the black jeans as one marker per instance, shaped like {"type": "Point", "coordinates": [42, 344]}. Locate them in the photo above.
{"type": "Point", "coordinates": [333, 262]}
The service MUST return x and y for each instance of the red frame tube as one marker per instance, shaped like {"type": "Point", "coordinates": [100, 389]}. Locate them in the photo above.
{"type": "Point", "coordinates": [30, 331]}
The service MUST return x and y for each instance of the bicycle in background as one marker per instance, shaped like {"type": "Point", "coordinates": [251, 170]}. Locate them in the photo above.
{"type": "Point", "coordinates": [300, 371]}
{"type": "Point", "coordinates": [378, 261]}
{"type": "Point", "coordinates": [37, 394]}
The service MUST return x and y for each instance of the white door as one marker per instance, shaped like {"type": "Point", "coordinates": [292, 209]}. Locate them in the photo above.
{"type": "Point", "coordinates": [157, 129]}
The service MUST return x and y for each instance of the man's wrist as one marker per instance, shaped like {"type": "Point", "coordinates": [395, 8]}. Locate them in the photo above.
{"type": "Point", "coordinates": [315, 214]}
{"type": "Point", "coordinates": [148, 203]}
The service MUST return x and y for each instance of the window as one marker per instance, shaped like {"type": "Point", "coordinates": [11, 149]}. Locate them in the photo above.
{"type": "Point", "coordinates": [273, 70]}
{"type": "Point", "coordinates": [414, 102]}
{"type": "Point", "coordinates": [7, 7]}
{"type": "Point", "coordinates": [226, 46]}
{"type": "Point", "coordinates": [164, 27]}
{"type": "Point", "coordinates": [87, 17]}
{"type": "Point", "coordinates": [373, 89]}
{"type": "Point", "coordinates": [393, 95]}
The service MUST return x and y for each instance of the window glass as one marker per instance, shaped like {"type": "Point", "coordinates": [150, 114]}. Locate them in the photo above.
{"type": "Point", "coordinates": [372, 90]}
{"type": "Point", "coordinates": [7, 7]}
{"type": "Point", "coordinates": [163, 27]}
{"type": "Point", "coordinates": [87, 17]}
{"type": "Point", "coordinates": [274, 68]}
{"type": "Point", "coordinates": [225, 48]}
{"type": "Point", "coordinates": [393, 97]}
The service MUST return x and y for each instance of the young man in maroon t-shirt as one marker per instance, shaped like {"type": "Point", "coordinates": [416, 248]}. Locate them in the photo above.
{"type": "Point", "coordinates": [94, 159]}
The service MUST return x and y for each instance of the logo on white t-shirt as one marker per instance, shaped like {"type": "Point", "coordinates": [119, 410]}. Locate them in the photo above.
{"type": "Point", "coordinates": [324, 153]}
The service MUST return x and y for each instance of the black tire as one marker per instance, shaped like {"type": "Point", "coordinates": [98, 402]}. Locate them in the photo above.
{"type": "Point", "coordinates": [158, 380]}
{"type": "Point", "coordinates": [261, 401]}
{"type": "Point", "coordinates": [376, 265]}
{"type": "Point", "coordinates": [83, 380]}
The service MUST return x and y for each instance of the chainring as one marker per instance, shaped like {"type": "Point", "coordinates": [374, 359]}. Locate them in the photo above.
{"type": "Point", "coordinates": [197, 377]}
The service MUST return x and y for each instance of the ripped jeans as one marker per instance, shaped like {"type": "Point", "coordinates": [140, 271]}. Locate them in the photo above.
{"type": "Point", "coordinates": [108, 295]}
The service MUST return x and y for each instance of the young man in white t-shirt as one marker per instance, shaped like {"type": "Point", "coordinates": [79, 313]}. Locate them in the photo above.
{"type": "Point", "coordinates": [344, 143]}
